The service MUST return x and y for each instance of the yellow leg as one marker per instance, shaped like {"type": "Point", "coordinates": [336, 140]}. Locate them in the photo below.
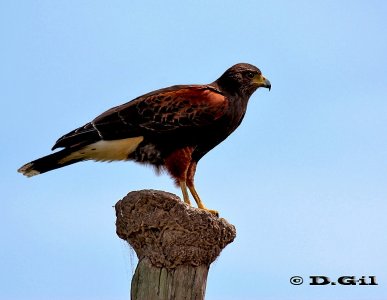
{"type": "Point", "coordinates": [199, 202]}
{"type": "Point", "coordinates": [183, 187]}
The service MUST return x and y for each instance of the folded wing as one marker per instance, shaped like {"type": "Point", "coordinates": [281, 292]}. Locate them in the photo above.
{"type": "Point", "coordinates": [166, 111]}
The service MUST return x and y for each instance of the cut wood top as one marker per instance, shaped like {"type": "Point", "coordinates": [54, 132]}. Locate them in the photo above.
{"type": "Point", "coordinates": [159, 226]}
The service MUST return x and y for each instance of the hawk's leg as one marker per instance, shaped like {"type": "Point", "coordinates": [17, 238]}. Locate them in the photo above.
{"type": "Point", "coordinates": [183, 187]}
{"type": "Point", "coordinates": [177, 164]}
{"type": "Point", "coordinates": [182, 169]}
{"type": "Point", "coordinates": [190, 184]}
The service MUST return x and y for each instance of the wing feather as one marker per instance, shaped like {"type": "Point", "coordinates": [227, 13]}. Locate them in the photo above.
{"type": "Point", "coordinates": [165, 111]}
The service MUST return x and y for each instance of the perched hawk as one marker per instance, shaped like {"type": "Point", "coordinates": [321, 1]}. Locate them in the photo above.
{"type": "Point", "coordinates": [171, 128]}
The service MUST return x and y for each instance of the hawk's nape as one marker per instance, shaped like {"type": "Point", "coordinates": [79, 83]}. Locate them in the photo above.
{"type": "Point", "coordinates": [171, 128]}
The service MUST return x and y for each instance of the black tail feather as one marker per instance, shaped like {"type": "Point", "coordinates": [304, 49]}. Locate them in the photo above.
{"type": "Point", "coordinates": [47, 163]}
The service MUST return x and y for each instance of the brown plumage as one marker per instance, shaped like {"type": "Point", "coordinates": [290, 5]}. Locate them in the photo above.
{"type": "Point", "coordinates": [171, 128]}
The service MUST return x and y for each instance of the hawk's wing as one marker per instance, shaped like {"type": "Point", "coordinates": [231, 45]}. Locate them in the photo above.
{"type": "Point", "coordinates": [164, 111]}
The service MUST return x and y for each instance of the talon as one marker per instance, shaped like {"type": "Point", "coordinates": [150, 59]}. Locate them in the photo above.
{"type": "Point", "coordinates": [212, 211]}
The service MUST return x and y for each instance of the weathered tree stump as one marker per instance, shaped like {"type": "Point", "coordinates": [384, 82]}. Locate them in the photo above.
{"type": "Point", "coordinates": [175, 244]}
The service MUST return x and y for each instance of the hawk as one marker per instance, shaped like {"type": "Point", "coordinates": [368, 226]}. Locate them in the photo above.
{"type": "Point", "coordinates": [170, 129]}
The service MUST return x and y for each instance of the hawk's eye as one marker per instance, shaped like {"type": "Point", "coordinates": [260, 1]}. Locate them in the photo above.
{"type": "Point", "coordinates": [250, 75]}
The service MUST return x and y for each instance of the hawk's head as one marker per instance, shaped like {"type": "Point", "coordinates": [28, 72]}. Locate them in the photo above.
{"type": "Point", "coordinates": [242, 79]}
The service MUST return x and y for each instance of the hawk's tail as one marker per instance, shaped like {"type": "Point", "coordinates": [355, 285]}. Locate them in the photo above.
{"type": "Point", "coordinates": [48, 163]}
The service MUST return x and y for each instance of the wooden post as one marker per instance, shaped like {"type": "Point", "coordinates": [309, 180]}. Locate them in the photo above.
{"type": "Point", "coordinates": [175, 244]}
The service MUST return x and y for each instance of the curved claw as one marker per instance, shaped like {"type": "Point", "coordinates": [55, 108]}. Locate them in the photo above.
{"type": "Point", "coordinates": [212, 211]}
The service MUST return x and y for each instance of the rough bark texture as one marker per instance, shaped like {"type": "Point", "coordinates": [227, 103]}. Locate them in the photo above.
{"type": "Point", "coordinates": [175, 244]}
{"type": "Point", "coordinates": [181, 283]}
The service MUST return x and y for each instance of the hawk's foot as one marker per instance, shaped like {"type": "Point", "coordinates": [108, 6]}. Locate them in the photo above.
{"type": "Point", "coordinates": [212, 211]}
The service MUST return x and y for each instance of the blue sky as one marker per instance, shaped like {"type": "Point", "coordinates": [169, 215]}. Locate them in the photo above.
{"type": "Point", "coordinates": [303, 178]}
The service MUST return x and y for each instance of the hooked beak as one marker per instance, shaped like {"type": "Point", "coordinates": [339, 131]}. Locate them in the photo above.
{"type": "Point", "coordinates": [267, 84]}
{"type": "Point", "coordinates": [261, 81]}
